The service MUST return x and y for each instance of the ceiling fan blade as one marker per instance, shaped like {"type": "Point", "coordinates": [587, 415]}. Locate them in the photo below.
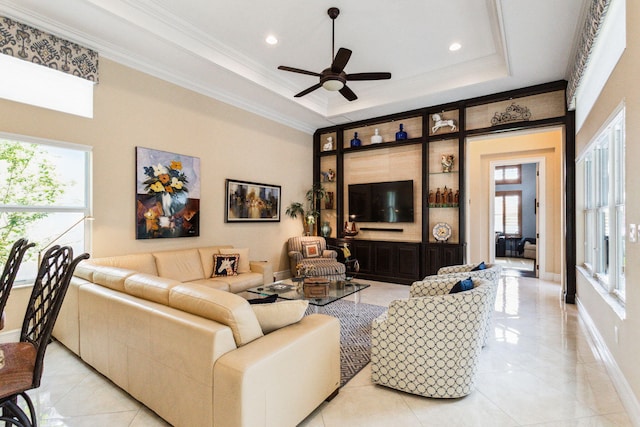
{"type": "Point", "coordinates": [348, 93]}
{"type": "Point", "coordinates": [308, 90]}
{"type": "Point", "coordinates": [368, 76]}
{"type": "Point", "coordinates": [341, 59]}
{"type": "Point", "coordinates": [298, 70]}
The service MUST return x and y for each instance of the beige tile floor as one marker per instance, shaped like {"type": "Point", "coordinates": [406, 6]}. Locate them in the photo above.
{"type": "Point", "coordinates": [538, 370]}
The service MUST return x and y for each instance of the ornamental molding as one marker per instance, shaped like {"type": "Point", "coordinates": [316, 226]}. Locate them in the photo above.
{"type": "Point", "coordinates": [590, 29]}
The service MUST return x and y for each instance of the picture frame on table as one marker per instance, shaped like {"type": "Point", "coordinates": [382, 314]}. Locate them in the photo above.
{"type": "Point", "coordinates": [248, 201]}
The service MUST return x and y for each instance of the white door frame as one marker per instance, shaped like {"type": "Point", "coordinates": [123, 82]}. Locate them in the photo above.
{"type": "Point", "coordinates": [540, 216]}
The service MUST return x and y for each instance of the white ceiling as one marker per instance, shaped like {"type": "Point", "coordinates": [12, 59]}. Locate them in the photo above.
{"type": "Point", "coordinates": [218, 48]}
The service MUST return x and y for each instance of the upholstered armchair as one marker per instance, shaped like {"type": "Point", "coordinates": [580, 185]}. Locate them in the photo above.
{"type": "Point", "coordinates": [491, 272]}
{"type": "Point", "coordinates": [430, 343]}
{"type": "Point", "coordinates": [312, 251]}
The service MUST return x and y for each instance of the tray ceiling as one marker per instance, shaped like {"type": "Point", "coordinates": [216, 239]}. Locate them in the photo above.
{"type": "Point", "coordinates": [218, 48]}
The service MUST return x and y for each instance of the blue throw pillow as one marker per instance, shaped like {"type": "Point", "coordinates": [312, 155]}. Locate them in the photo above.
{"type": "Point", "coordinates": [461, 286]}
{"type": "Point", "coordinates": [480, 266]}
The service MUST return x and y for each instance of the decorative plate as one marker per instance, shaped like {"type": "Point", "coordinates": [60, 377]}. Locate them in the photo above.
{"type": "Point", "coordinates": [442, 231]}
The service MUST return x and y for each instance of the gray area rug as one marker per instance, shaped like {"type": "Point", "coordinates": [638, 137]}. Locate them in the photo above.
{"type": "Point", "coordinates": [355, 334]}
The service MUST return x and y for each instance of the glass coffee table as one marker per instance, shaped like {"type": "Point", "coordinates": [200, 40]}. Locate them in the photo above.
{"type": "Point", "coordinates": [291, 289]}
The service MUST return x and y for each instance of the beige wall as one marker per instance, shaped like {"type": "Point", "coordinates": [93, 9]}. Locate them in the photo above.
{"type": "Point", "coordinates": [480, 153]}
{"type": "Point", "coordinates": [621, 86]}
{"type": "Point", "coordinates": [133, 109]}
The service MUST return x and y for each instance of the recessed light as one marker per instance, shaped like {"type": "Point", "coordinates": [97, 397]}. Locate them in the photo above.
{"type": "Point", "coordinates": [455, 46]}
{"type": "Point", "coordinates": [271, 39]}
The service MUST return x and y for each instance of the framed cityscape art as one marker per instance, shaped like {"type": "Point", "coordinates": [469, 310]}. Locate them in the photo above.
{"type": "Point", "coordinates": [251, 202]}
{"type": "Point", "coordinates": [167, 194]}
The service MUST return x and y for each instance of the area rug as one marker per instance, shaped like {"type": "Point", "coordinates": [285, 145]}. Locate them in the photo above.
{"type": "Point", "coordinates": [355, 334]}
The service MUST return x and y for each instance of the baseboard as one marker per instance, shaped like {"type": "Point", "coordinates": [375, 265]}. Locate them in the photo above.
{"type": "Point", "coordinates": [628, 398]}
{"type": "Point", "coordinates": [551, 277]}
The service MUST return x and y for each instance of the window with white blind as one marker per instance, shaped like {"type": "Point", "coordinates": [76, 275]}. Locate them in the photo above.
{"type": "Point", "coordinates": [508, 213]}
{"type": "Point", "coordinates": [604, 207]}
{"type": "Point", "coordinates": [54, 213]}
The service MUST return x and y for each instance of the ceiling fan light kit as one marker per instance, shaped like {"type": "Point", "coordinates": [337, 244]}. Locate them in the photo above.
{"type": "Point", "coordinates": [333, 85]}
{"type": "Point", "coordinates": [334, 78]}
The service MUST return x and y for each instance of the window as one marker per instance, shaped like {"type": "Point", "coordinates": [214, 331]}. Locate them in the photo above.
{"type": "Point", "coordinates": [54, 213]}
{"type": "Point", "coordinates": [508, 174]}
{"type": "Point", "coordinates": [508, 213]}
{"type": "Point", "coordinates": [604, 207]}
{"type": "Point", "coordinates": [33, 84]}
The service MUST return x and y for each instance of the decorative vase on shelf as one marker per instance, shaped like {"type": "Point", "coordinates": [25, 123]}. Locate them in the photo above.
{"type": "Point", "coordinates": [325, 230]}
{"type": "Point", "coordinates": [376, 138]}
{"type": "Point", "coordinates": [355, 142]}
{"type": "Point", "coordinates": [401, 134]}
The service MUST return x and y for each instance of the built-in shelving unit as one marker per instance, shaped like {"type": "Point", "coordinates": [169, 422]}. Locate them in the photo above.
{"type": "Point", "coordinates": [432, 155]}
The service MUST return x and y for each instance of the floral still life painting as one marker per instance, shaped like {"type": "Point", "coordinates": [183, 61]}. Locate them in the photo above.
{"type": "Point", "coordinates": [167, 194]}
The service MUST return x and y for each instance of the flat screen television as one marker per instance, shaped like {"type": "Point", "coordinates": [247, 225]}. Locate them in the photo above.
{"type": "Point", "coordinates": [381, 202]}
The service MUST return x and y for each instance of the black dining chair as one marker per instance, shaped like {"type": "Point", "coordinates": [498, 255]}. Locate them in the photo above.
{"type": "Point", "coordinates": [23, 361]}
{"type": "Point", "coordinates": [10, 271]}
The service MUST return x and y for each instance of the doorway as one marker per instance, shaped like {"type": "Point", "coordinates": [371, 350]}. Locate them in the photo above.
{"type": "Point", "coordinates": [544, 147]}
{"type": "Point", "coordinates": [515, 220]}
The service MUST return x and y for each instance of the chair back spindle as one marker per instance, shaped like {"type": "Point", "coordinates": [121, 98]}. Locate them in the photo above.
{"type": "Point", "coordinates": [10, 270]}
{"type": "Point", "coordinates": [49, 289]}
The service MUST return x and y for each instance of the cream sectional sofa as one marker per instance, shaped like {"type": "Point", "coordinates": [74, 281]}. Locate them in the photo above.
{"type": "Point", "coordinates": [190, 349]}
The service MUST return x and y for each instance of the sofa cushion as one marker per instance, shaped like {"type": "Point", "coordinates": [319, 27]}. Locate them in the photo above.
{"type": "Point", "coordinates": [149, 287]}
{"type": "Point", "coordinates": [85, 270]}
{"type": "Point", "coordinates": [243, 262]}
{"type": "Point", "coordinates": [223, 307]}
{"type": "Point", "coordinates": [215, 284]}
{"type": "Point", "coordinates": [184, 265]}
{"type": "Point", "coordinates": [279, 314]}
{"type": "Point", "coordinates": [111, 277]}
{"type": "Point", "coordinates": [241, 282]}
{"type": "Point", "coordinates": [142, 263]}
{"type": "Point", "coordinates": [225, 265]}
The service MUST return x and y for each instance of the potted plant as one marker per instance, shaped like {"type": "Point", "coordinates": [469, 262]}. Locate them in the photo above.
{"type": "Point", "coordinates": [309, 212]}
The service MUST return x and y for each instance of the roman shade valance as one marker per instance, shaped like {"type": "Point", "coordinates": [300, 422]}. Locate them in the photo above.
{"type": "Point", "coordinates": [36, 46]}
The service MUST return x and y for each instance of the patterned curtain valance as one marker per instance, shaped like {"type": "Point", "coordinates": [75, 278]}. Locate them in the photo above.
{"type": "Point", "coordinates": [33, 45]}
{"type": "Point", "coordinates": [590, 29]}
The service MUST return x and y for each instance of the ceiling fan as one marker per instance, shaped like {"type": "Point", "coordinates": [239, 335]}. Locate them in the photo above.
{"type": "Point", "coordinates": [334, 78]}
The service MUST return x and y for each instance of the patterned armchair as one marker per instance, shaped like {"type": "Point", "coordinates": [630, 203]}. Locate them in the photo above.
{"type": "Point", "coordinates": [429, 344]}
{"type": "Point", "coordinates": [312, 251]}
{"type": "Point", "coordinates": [492, 272]}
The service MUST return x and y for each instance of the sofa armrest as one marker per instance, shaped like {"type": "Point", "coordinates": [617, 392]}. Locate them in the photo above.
{"type": "Point", "coordinates": [255, 384]}
{"type": "Point", "coordinates": [264, 268]}
{"type": "Point", "coordinates": [295, 256]}
{"type": "Point", "coordinates": [329, 253]}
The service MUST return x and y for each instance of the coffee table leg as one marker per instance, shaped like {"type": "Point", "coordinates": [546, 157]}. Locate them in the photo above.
{"type": "Point", "coordinates": [356, 300]}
